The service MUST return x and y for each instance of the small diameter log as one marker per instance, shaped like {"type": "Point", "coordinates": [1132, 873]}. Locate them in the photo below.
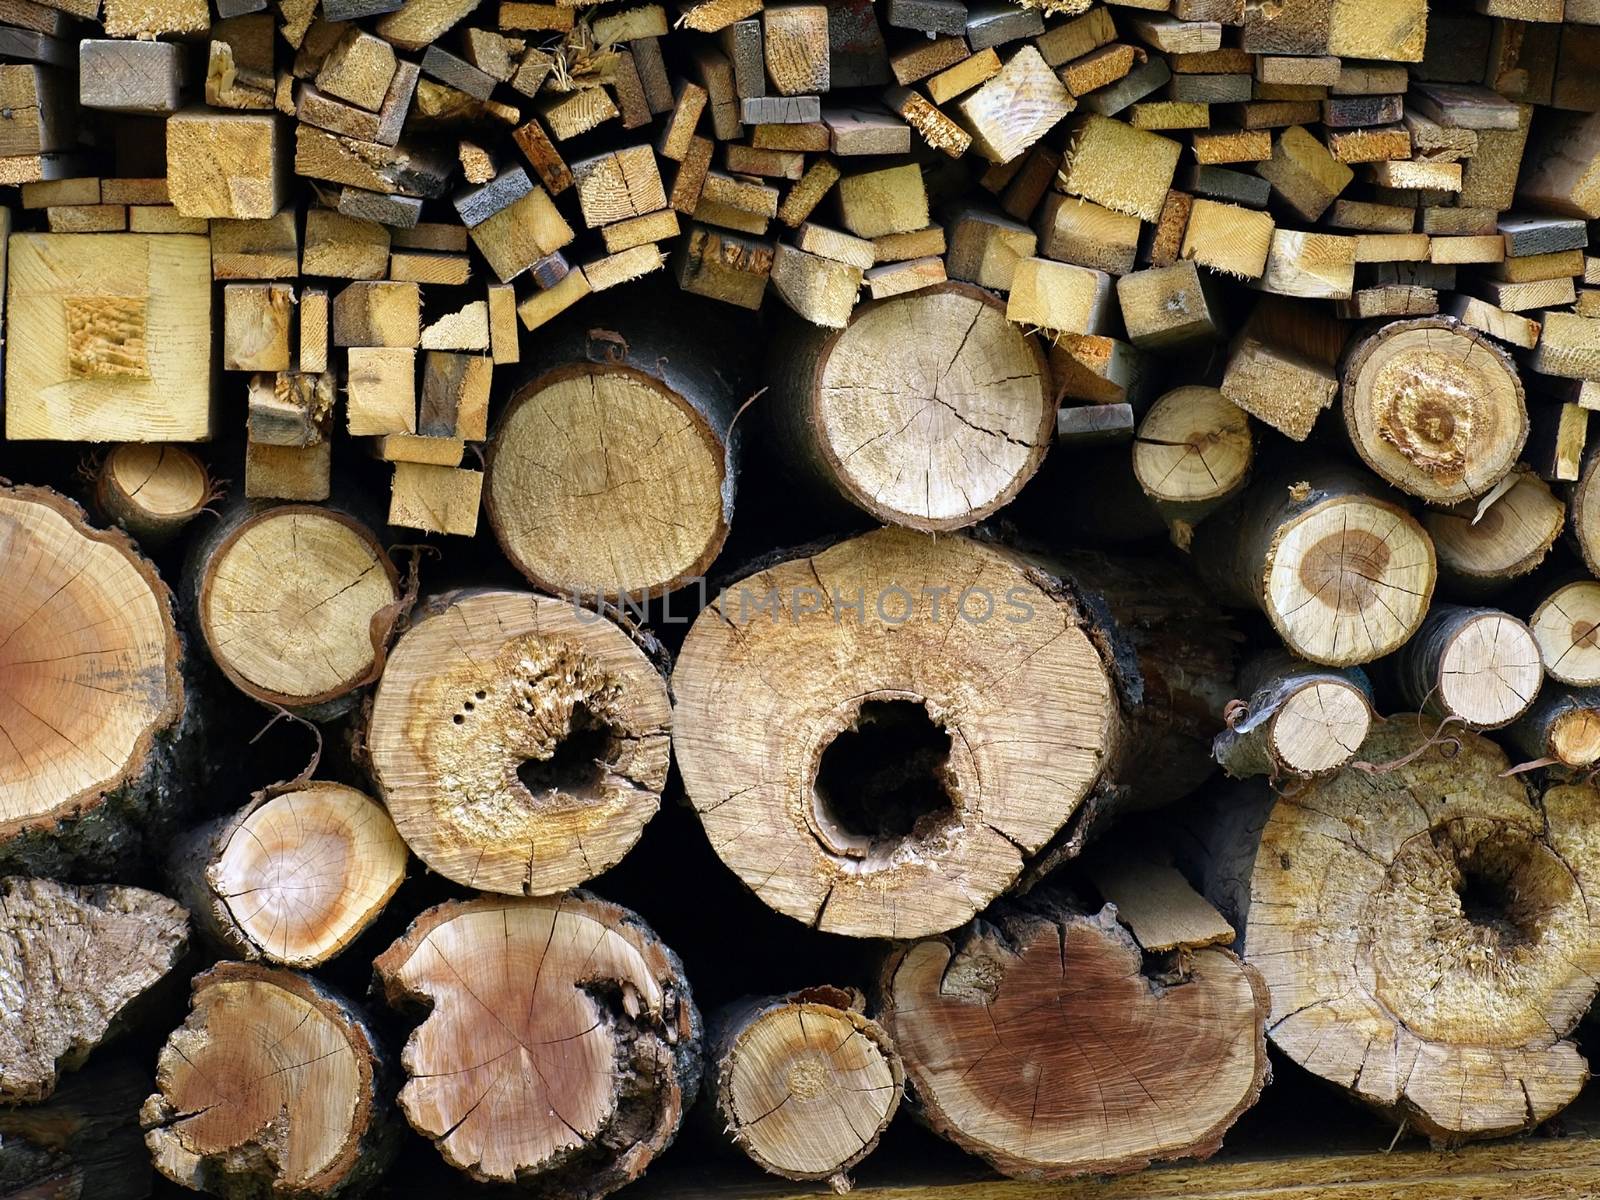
{"type": "Point", "coordinates": [1035, 1038]}
{"type": "Point", "coordinates": [295, 602]}
{"type": "Point", "coordinates": [1434, 407]}
{"type": "Point", "coordinates": [804, 1084]}
{"type": "Point", "coordinates": [561, 1045]}
{"type": "Point", "coordinates": [521, 743]}
{"type": "Point", "coordinates": [1299, 720]}
{"type": "Point", "coordinates": [1566, 624]}
{"type": "Point", "coordinates": [1192, 452]}
{"type": "Point", "coordinates": [1562, 727]}
{"type": "Point", "coordinates": [91, 695]}
{"type": "Point", "coordinates": [879, 737]}
{"type": "Point", "coordinates": [292, 877]}
{"type": "Point", "coordinates": [611, 473]}
{"type": "Point", "coordinates": [1478, 665]}
{"type": "Point", "coordinates": [272, 1086]}
{"type": "Point", "coordinates": [1482, 546]}
{"type": "Point", "coordinates": [1585, 513]}
{"type": "Point", "coordinates": [1345, 577]}
{"type": "Point", "coordinates": [961, 410]}
{"type": "Point", "coordinates": [84, 1141]}
{"type": "Point", "coordinates": [72, 961]}
{"type": "Point", "coordinates": [1423, 931]}
{"type": "Point", "coordinates": [152, 490]}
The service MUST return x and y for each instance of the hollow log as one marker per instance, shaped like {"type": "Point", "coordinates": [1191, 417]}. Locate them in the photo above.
{"type": "Point", "coordinates": [272, 1086]}
{"type": "Point", "coordinates": [561, 1046]}
{"type": "Point", "coordinates": [1566, 626]}
{"type": "Point", "coordinates": [520, 743]}
{"type": "Point", "coordinates": [73, 961]}
{"type": "Point", "coordinates": [1192, 452]}
{"type": "Point", "coordinates": [1344, 576]}
{"type": "Point", "coordinates": [878, 737]}
{"type": "Point", "coordinates": [611, 473]}
{"type": "Point", "coordinates": [1423, 930]}
{"type": "Point", "coordinates": [1434, 407]}
{"type": "Point", "coordinates": [295, 602]}
{"type": "Point", "coordinates": [1299, 719]}
{"type": "Point", "coordinates": [1483, 548]}
{"type": "Point", "coordinates": [92, 699]}
{"type": "Point", "coordinates": [804, 1084]}
{"type": "Point", "coordinates": [152, 490]}
{"type": "Point", "coordinates": [1562, 726]}
{"type": "Point", "coordinates": [1036, 1038]}
{"type": "Point", "coordinates": [928, 410]}
{"type": "Point", "coordinates": [84, 1141]}
{"type": "Point", "coordinates": [294, 876]}
{"type": "Point", "coordinates": [1478, 665]}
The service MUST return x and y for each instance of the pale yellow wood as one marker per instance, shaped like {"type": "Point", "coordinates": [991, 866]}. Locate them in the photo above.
{"type": "Point", "coordinates": [1124, 169]}
{"type": "Point", "coordinates": [1157, 904]}
{"type": "Point", "coordinates": [1228, 238]}
{"type": "Point", "coordinates": [381, 390]}
{"type": "Point", "coordinates": [1059, 296]}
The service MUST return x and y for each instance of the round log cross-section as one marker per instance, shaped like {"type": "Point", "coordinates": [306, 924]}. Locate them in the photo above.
{"type": "Point", "coordinates": [520, 743]}
{"type": "Point", "coordinates": [1566, 625]}
{"type": "Point", "coordinates": [152, 490]}
{"type": "Point", "coordinates": [929, 410]}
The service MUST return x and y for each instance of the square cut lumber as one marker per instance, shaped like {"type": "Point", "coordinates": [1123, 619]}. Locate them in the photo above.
{"type": "Point", "coordinates": [1015, 108]}
{"type": "Point", "coordinates": [1118, 167]}
{"type": "Point", "coordinates": [1060, 297]}
{"type": "Point", "coordinates": [227, 164]}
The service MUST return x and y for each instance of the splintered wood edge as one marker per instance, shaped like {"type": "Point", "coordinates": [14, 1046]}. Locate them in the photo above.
{"type": "Point", "coordinates": [76, 805]}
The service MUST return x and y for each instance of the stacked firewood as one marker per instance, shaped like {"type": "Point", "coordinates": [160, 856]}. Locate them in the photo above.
{"type": "Point", "coordinates": [1262, 711]}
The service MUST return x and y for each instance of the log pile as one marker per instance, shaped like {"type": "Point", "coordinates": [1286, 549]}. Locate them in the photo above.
{"type": "Point", "coordinates": [599, 584]}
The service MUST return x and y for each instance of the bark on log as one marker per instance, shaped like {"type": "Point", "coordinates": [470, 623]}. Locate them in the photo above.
{"type": "Point", "coordinates": [1478, 665]}
{"type": "Point", "coordinates": [1423, 930]}
{"type": "Point", "coordinates": [295, 602]}
{"type": "Point", "coordinates": [1299, 719]}
{"type": "Point", "coordinates": [272, 1087]}
{"type": "Point", "coordinates": [612, 472]}
{"type": "Point", "coordinates": [961, 409]}
{"type": "Point", "coordinates": [1482, 549]}
{"type": "Point", "coordinates": [73, 960]}
{"type": "Point", "coordinates": [877, 754]}
{"type": "Point", "coordinates": [1192, 452]}
{"type": "Point", "coordinates": [294, 876]}
{"type": "Point", "coordinates": [1586, 514]}
{"type": "Point", "coordinates": [1434, 407]}
{"type": "Point", "coordinates": [1563, 726]}
{"type": "Point", "coordinates": [1035, 1038]}
{"type": "Point", "coordinates": [561, 1046]}
{"type": "Point", "coordinates": [92, 700]}
{"type": "Point", "coordinates": [520, 743]}
{"type": "Point", "coordinates": [1566, 625]}
{"type": "Point", "coordinates": [83, 1142]}
{"type": "Point", "coordinates": [805, 1084]}
{"type": "Point", "coordinates": [152, 490]}
{"type": "Point", "coordinates": [1344, 576]}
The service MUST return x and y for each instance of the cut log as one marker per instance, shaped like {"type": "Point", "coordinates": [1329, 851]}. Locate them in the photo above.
{"type": "Point", "coordinates": [91, 696]}
{"type": "Point", "coordinates": [1585, 513]}
{"type": "Point", "coordinates": [73, 960]}
{"type": "Point", "coordinates": [805, 1084]}
{"type": "Point", "coordinates": [1423, 930]}
{"type": "Point", "coordinates": [961, 411]}
{"type": "Point", "coordinates": [1299, 719]}
{"type": "Point", "coordinates": [612, 472]}
{"type": "Point", "coordinates": [84, 1141]}
{"type": "Point", "coordinates": [292, 877]}
{"type": "Point", "coordinates": [521, 742]}
{"type": "Point", "coordinates": [152, 491]}
{"type": "Point", "coordinates": [295, 602]}
{"type": "Point", "coordinates": [1484, 546]}
{"type": "Point", "coordinates": [1478, 665]}
{"type": "Point", "coordinates": [1192, 452]}
{"type": "Point", "coordinates": [272, 1086]}
{"type": "Point", "coordinates": [561, 1046]}
{"type": "Point", "coordinates": [880, 736]}
{"type": "Point", "coordinates": [1344, 576]}
{"type": "Point", "coordinates": [1435, 409]}
{"type": "Point", "coordinates": [1562, 727]}
{"type": "Point", "coordinates": [1024, 1031]}
{"type": "Point", "coordinates": [1566, 624]}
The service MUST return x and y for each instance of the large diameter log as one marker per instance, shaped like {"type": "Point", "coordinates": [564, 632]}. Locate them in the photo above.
{"type": "Point", "coordinates": [1434, 407]}
{"type": "Point", "coordinates": [521, 743]}
{"type": "Point", "coordinates": [1424, 931]}
{"type": "Point", "coordinates": [805, 1084]}
{"type": "Point", "coordinates": [294, 876]}
{"type": "Point", "coordinates": [1566, 625]}
{"type": "Point", "coordinates": [295, 602]}
{"type": "Point", "coordinates": [561, 1046]}
{"type": "Point", "coordinates": [1344, 576]}
{"type": "Point", "coordinates": [1478, 665]}
{"type": "Point", "coordinates": [1562, 727]}
{"type": "Point", "coordinates": [928, 410]}
{"type": "Point", "coordinates": [92, 712]}
{"type": "Point", "coordinates": [1482, 546]}
{"type": "Point", "coordinates": [271, 1087]}
{"type": "Point", "coordinates": [1035, 1038]}
{"type": "Point", "coordinates": [612, 472]}
{"type": "Point", "coordinates": [152, 490]}
{"type": "Point", "coordinates": [878, 737]}
{"type": "Point", "coordinates": [84, 1141]}
{"type": "Point", "coordinates": [1298, 720]}
{"type": "Point", "coordinates": [72, 962]}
